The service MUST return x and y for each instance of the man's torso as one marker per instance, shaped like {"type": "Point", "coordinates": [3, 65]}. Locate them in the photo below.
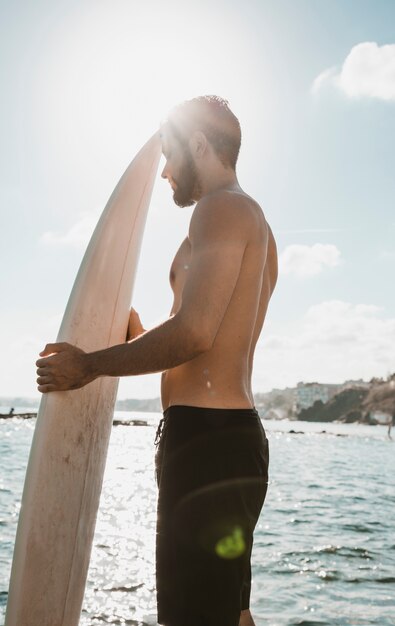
{"type": "Point", "coordinates": [221, 377]}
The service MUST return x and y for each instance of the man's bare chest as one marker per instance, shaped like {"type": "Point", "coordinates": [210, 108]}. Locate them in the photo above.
{"type": "Point", "coordinates": [180, 266]}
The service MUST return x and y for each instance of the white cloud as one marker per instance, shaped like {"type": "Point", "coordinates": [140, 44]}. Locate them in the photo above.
{"type": "Point", "coordinates": [333, 342]}
{"type": "Point", "coordinates": [367, 72]}
{"type": "Point", "coordinates": [77, 236]}
{"type": "Point", "coordinates": [304, 261]}
{"type": "Point", "coordinates": [326, 77]}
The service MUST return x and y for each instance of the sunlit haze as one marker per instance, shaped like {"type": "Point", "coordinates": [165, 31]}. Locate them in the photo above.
{"type": "Point", "coordinates": [313, 84]}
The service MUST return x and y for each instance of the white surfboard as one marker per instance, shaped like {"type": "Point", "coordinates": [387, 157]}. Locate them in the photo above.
{"type": "Point", "coordinates": [68, 454]}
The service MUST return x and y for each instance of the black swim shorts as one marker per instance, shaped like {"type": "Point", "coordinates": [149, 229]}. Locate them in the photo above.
{"type": "Point", "coordinates": [212, 475]}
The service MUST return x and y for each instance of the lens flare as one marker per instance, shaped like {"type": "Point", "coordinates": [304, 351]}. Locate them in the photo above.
{"type": "Point", "coordinates": [231, 546]}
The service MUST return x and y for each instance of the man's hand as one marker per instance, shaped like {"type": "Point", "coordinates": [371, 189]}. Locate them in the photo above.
{"type": "Point", "coordinates": [135, 327]}
{"type": "Point", "coordinates": [65, 367]}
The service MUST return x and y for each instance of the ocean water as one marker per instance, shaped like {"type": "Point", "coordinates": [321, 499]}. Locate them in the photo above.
{"type": "Point", "coordinates": [324, 550]}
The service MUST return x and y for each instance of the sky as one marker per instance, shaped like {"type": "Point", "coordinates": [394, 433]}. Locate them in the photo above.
{"type": "Point", "coordinates": [85, 83]}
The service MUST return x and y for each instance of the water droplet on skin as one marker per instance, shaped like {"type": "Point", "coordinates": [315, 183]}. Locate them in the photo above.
{"type": "Point", "coordinates": [186, 267]}
{"type": "Point", "coordinates": [208, 384]}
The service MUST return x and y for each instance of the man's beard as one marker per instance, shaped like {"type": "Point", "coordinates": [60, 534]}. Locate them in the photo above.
{"type": "Point", "coordinates": [188, 184]}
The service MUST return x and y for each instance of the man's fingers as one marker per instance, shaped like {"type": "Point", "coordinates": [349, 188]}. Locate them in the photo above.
{"type": "Point", "coordinates": [60, 372]}
{"type": "Point", "coordinates": [42, 362]}
{"type": "Point", "coordinates": [46, 388]}
{"type": "Point", "coordinates": [51, 348]}
{"type": "Point", "coordinates": [43, 380]}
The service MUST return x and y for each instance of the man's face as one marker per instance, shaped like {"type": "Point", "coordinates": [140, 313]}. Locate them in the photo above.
{"type": "Point", "coordinates": [180, 171]}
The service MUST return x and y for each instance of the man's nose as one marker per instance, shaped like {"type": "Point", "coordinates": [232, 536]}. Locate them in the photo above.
{"type": "Point", "coordinates": [164, 172]}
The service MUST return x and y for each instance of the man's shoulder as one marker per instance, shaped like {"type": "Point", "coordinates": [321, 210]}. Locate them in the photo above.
{"type": "Point", "coordinates": [229, 207]}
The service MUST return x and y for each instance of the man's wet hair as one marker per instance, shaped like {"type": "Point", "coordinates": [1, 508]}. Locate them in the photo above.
{"type": "Point", "coordinates": [213, 117]}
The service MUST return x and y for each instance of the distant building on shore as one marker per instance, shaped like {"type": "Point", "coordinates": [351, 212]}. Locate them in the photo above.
{"type": "Point", "coordinates": [308, 393]}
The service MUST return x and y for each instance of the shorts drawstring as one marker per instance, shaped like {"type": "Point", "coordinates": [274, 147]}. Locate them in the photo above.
{"type": "Point", "coordinates": [160, 430]}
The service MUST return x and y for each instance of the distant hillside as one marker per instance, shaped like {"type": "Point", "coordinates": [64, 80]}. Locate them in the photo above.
{"type": "Point", "coordinates": [358, 402]}
{"type": "Point", "coordinates": [153, 405]}
{"type": "Point", "coordinates": [381, 396]}
{"type": "Point", "coordinates": [8, 401]}
{"type": "Point", "coordinates": [343, 404]}
{"type": "Point", "coordinates": [149, 404]}
{"type": "Point", "coordinates": [275, 404]}
{"type": "Point", "coordinates": [355, 404]}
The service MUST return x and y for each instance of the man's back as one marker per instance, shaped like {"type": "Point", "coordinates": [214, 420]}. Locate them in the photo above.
{"type": "Point", "coordinates": [221, 376]}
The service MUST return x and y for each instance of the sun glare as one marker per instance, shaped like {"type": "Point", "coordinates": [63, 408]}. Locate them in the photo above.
{"type": "Point", "coordinates": [112, 70]}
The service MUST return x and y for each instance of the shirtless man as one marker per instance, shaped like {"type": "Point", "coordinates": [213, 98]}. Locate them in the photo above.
{"type": "Point", "coordinates": [212, 457]}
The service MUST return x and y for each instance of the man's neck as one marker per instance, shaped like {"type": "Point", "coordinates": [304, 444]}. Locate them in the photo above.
{"type": "Point", "coordinates": [226, 180]}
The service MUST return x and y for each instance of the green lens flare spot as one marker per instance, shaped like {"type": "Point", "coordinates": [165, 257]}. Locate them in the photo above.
{"type": "Point", "coordinates": [231, 546]}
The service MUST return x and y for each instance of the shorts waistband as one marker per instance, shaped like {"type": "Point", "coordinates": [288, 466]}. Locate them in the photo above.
{"type": "Point", "coordinates": [181, 409]}
{"type": "Point", "coordinates": [197, 419]}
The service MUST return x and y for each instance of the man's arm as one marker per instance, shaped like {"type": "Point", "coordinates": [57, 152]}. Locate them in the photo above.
{"type": "Point", "coordinates": [218, 236]}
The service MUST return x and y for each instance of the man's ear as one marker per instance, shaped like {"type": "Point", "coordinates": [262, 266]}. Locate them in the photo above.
{"type": "Point", "coordinates": [198, 144]}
